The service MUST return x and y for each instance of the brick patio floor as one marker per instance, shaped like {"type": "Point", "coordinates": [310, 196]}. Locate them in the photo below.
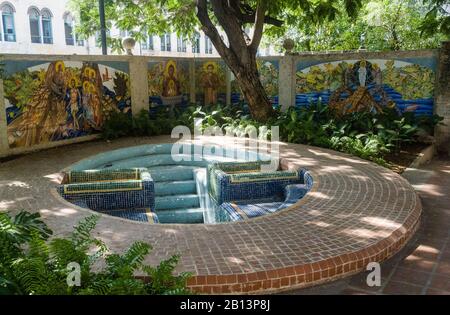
{"type": "Point", "coordinates": [423, 266]}
{"type": "Point", "coordinates": [357, 212]}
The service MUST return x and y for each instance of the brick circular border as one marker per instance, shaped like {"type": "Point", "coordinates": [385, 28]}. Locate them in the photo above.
{"type": "Point", "coordinates": [357, 213]}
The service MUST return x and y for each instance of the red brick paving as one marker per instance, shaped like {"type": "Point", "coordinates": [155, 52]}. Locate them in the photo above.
{"type": "Point", "coordinates": [358, 212]}
{"type": "Point", "coordinates": [423, 266]}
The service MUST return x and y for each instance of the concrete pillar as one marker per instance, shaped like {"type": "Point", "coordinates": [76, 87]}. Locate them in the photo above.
{"type": "Point", "coordinates": [286, 82]}
{"type": "Point", "coordinates": [192, 81]}
{"type": "Point", "coordinates": [442, 98]}
{"type": "Point", "coordinates": [139, 84]}
{"type": "Point", "coordinates": [4, 146]}
{"type": "Point", "coordinates": [228, 80]}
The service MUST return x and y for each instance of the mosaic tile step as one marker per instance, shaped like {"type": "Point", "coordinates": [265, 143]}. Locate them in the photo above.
{"type": "Point", "coordinates": [151, 161]}
{"type": "Point", "coordinates": [177, 202]}
{"type": "Point", "coordinates": [141, 215]}
{"type": "Point", "coordinates": [172, 173]}
{"type": "Point", "coordinates": [107, 190]}
{"type": "Point", "coordinates": [175, 188]}
{"type": "Point", "coordinates": [189, 216]}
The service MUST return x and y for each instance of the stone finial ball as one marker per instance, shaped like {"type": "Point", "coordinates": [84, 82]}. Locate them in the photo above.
{"type": "Point", "coordinates": [128, 43]}
{"type": "Point", "coordinates": [288, 44]}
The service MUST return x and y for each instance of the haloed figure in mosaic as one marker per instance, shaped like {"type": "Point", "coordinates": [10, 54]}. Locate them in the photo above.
{"type": "Point", "coordinates": [74, 99]}
{"type": "Point", "coordinates": [171, 88]}
{"type": "Point", "coordinates": [171, 85]}
{"type": "Point", "coordinates": [46, 110]}
{"type": "Point", "coordinates": [210, 82]}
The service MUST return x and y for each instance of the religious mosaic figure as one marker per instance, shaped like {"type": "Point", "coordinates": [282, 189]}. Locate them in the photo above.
{"type": "Point", "coordinates": [74, 99]}
{"type": "Point", "coordinates": [171, 88]}
{"type": "Point", "coordinates": [210, 82]}
{"type": "Point", "coordinates": [46, 113]}
{"type": "Point", "coordinates": [171, 84]}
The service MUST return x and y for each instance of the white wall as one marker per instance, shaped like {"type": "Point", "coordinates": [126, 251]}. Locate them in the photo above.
{"type": "Point", "coordinates": [23, 43]}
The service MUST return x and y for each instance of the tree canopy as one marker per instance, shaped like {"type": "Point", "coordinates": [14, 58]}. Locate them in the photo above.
{"type": "Point", "coordinates": [143, 17]}
{"type": "Point", "coordinates": [380, 25]}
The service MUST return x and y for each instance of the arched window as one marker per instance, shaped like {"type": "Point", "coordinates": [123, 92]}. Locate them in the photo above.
{"type": "Point", "coordinates": [35, 28]}
{"type": "Point", "coordinates": [9, 31]}
{"type": "Point", "coordinates": [68, 29]}
{"type": "Point", "coordinates": [47, 30]}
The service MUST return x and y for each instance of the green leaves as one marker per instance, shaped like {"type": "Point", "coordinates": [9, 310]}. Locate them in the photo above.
{"type": "Point", "coordinates": [21, 227]}
{"type": "Point", "coordinates": [40, 267]}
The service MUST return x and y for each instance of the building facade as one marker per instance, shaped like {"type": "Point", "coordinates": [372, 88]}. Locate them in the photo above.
{"type": "Point", "coordinates": [48, 27]}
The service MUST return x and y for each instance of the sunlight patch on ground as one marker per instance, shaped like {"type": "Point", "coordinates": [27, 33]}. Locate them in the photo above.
{"type": "Point", "coordinates": [381, 222]}
{"type": "Point", "coordinates": [319, 195]}
{"type": "Point", "coordinates": [14, 183]}
{"type": "Point", "coordinates": [235, 260]}
{"type": "Point", "coordinates": [431, 189]}
{"type": "Point", "coordinates": [6, 204]}
{"type": "Point", "coordinates": [366, 233]}
{"type": "Point", "coordinates": [55, 178]}
{"type": "Point", "coordinates": [319, 223]}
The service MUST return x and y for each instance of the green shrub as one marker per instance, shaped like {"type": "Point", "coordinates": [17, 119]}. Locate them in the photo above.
{"type": "Point", "coordinates": [29, 264]}
{"type": "Point", "coordinates": [364, 134]}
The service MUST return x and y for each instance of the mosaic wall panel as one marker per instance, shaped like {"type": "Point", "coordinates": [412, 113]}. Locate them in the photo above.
{"type": "Point", "coordinates": [269, 74]}
{"type": "Point", "coordinates": [348, 85]}
{"type": "Point", "coordinates": [168, 83]}
{"type": "Point", "coordinates": [52, 101]}
{"type": "Point", "coordinates": [210, 79]}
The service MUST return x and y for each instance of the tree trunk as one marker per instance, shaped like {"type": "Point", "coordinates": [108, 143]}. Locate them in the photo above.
{"type": "Point", "coordinates": [254, 93]}
{"type": "Point", "coordinates": [239, 54]}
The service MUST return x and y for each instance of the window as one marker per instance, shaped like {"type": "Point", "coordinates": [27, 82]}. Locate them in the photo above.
{"type": "Point", "coordinates": [35, 28]}
{"type": "Point", "coordinates": [47, 31]}
{"type": "Point", "coordinates": [181, 44]}
{"type": "Point", "coordinates": [208, 46]}
{"type": "Point", "coordinates": [98, 37]}
{"type": "Point", "coordinates": [80, 42]}
{"type": "Point", "coordinates": [144, 45]}
{"type": "Point", "coordinates": [9, 31]}
{"type": "Point", "coordinates": [68, 29]}
{"type": "Point", "coordinates": [150, 43]}
{"type": "Point", "coordinates": [147, 45]}
{"type": "Point", "coordinates": [196, 43]}
{"type": "Point", "coordinates": [165, 43]}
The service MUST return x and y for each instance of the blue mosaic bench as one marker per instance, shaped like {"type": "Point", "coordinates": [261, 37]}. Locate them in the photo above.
{"type": "Point", "coordinates": [231, 181]}
{"type": "Point", "coordinates": [127, 193]}
{"type": "Point", "coordinates": [242, 210]}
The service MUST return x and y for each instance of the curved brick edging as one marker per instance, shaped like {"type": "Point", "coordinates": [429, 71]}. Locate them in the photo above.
{"type": "Point", "coordinates": [357, 212]}
{"type": "Point", "coordinates": [302, 276]}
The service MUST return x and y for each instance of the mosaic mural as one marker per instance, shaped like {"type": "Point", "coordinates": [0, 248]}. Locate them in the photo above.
{"type": "Point", "coordinates": [61, 100]}
{"type": "Point", "coordinates": [358, 85]}
{"type": "Point", "coordinates": [168, 83]}
{"type": "Point", "coordinates": [210, 78]}
{"type": "Point", "coordinates": [269, 73]}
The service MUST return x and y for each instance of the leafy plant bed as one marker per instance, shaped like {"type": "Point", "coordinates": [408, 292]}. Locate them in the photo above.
{"type": "Point", "coordinates": [389, 138]}
{"type": "Point", "coordinates": [33, 264]}
{"type": "Point", "coordinates": [400, 161]}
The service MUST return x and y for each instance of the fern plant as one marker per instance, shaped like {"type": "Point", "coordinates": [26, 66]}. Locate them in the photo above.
{"type": "Point", "coordinates": [30, 264]}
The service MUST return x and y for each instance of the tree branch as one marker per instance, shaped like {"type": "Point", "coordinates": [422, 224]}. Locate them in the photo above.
{"type": "Point", "coordinates": [229, 22]}
{"type": "Point", "coordinates": [247, 15]}
{"type": "Point", "coordinates": [259, 25]}
{"type": "Point", "coordinates": [211, 31]}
